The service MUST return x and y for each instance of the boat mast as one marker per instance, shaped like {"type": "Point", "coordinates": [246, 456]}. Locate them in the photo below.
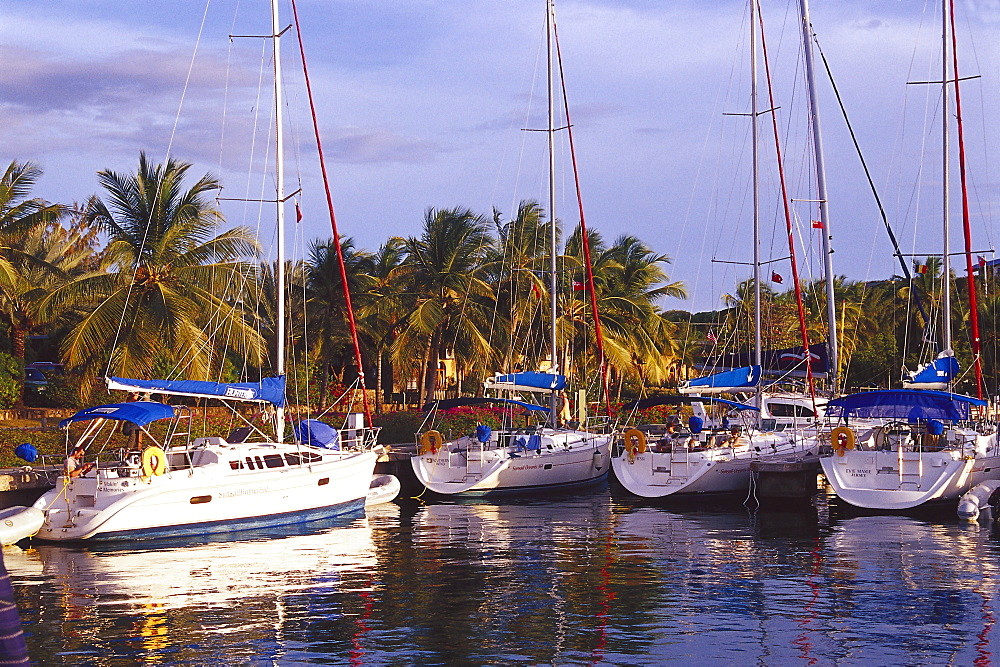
{"type": "Point", "coordinates": [966, 226]}
{"type": "Point", "coordinates": [946, 196]}
{"type": "Point", "coordinates": [824, 215]}
{"type": "Point", "coordinates": [553, 236]}
{"type": "Point", "coordinates": [757, 360]}
{"type": "Point", "coordinates": [279, 156]}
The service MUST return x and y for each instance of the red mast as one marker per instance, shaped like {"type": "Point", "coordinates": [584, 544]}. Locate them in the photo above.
{"type": "Point", "coordinates": [788, 220]}
{"type": "Point", "coordinates": [333, 224]}
{"type": "Point", "coordinates": [591, 287]}
{"type": "Point", "coordinates": [966, 227]}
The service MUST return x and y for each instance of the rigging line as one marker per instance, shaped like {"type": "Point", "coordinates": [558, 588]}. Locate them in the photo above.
{"type": "Point", "coordinates": [871, 183]}
{"type": "Point", "coordinates": [156, 196]}
{"type": "Point", "coordinates": [591, 286]}
{"type": "Point", "coordinates": [788, 219]}
{"type": "Point", "coordinates": [966, 226]}
{"type": "Point", "coordinates": [333, 220]}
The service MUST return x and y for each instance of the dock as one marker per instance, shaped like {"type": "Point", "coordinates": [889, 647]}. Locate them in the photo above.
{"type": "Point", "coordinates": [791, 478]}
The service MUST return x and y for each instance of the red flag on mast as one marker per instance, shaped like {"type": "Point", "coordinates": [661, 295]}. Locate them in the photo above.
{"type": "Point", "coordinates": [776, 277]}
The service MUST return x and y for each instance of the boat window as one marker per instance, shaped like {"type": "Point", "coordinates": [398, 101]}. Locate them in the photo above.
{"type": "Point", "coordinates": [260, 464]}
{"type": "Point", "coordinates": [789, 410]}
{"type": "Point", "coordinates": [310, 457]}
{"type": "Point", "coordinates": [198, 500]}
{"type": "Point", "coordinates": [324, 481]}
{"type": "Point", "coordinates": [273, 461]}
{"type": "Point", "coordinates": [250, 463]}
{"type": "Point", "coordinates": [293, 459]}
{"type": "Point", "coordinates": [236, 465]}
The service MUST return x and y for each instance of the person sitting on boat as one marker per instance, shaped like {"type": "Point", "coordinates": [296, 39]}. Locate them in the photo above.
{"type": "Point", "coordinates": [666, 443]}
{"type": "Point", "coordinates": [733, 437]}
{"type": "Point", "coordinates": [74, 466]}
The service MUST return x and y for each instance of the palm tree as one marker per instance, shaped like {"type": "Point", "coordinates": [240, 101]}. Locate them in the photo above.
{"type": "Point", "coordinates": [517, 266]}
{"type": "Point", "coordinates": [630, 280]}
{"type": "Point", "coordinates": [326, 309]}
{"type": "Point", "coordinates": [383, 306]}
{"type": "Point", "coordinates": [19, 214]}
{"type": "Point", "coordinates": [444, 269]}
{"type": "Point", "coordinates": [170, 290]}
{"type": "Point", "coordinates": [50, 255]}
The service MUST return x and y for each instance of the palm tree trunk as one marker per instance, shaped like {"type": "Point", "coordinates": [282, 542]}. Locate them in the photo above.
{"type": "Point", "coordinates": [378, 383]}
{"type": "Point", "coordinates": [433, 357]}
{"type": "Point", "coordinates": [18, 334]}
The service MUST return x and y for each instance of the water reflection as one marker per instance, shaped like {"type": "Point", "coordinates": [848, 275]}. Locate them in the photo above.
{"type": "Point", "coordinates": [180, 602]}
{"type": "Point", "coordinates": [581, 580]}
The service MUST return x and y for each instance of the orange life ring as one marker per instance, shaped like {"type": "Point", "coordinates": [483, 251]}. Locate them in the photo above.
{"type": "Point", "coordinates": [842, 438]}
{"type": "Point", "coordinates": [154, 462]}
{"type": "Point", "coordinates": [635, 442]}
{"type": "Point", "coordinates": [430, 442]}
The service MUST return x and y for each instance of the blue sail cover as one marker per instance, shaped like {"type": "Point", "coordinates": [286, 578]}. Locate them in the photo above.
{"type": "Point", "coordinates": [787, 362]}
{"type": "Point", "coordinates": [935, 375]}
{"type": "Point", "coordinates": [268, 390]}
{"type": "Point", "coordinates": [909, 404]}
{"type": "Point", "coordinates": [528, 381]}
{"type": "Point", "coordinates": [139, 413]}
{"type": "Point", "coordinates": [740, 379]}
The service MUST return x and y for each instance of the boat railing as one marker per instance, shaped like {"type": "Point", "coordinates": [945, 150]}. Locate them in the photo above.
{"type": "Point", "coordinates": [359, 439]}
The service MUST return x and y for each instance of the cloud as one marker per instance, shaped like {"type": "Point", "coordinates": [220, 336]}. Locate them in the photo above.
{"type": "Point", "coordinates": [374, 146]}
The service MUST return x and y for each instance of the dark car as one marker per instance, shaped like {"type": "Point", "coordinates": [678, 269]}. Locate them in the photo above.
{"type": "Point", "coordinates": [33, 378]}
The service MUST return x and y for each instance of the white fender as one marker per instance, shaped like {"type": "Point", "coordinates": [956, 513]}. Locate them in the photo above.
{"type": "Point", "coordinates": [976, 499]}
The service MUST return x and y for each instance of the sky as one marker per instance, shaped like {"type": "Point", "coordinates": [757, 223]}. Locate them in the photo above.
{"type": "Point", "coordinates": [423, 104]}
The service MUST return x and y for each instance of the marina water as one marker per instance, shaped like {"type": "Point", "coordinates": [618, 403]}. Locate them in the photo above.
{"type": "Point", "coordinates": [583, 579]}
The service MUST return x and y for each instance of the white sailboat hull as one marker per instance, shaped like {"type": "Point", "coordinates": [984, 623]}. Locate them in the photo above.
{"type": "Point", "coordinates": [686, 471]}
{"type": "Point", "coordinates": [208, 498]}
{"type": "Point", "coordinates": [566, 459]}
{"type": "Point", "coordinates": [885, 480]}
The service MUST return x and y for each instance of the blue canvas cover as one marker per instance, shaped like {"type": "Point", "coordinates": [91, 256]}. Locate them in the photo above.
{"type": "Point", "coordinates": [740, 379]}
{"type": "Point", "coordinates": [268, 390]}
{"type": "Point", "coordinates": [907, 404]}
{"type": "Point", "coordinates": [528, 381]}
{"type": "Point", "coordinates": [787, 362]}
{"type": "Point", "coordinates": [317, 433]}
{"type": "Point", "coordinates": [139, 413]}
{"type": "Point", "coordinates": [935, 375]}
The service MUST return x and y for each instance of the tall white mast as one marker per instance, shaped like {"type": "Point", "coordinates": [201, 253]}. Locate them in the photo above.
{"type": "Point", "coordinates": [553, 236]}
{"type": "Point", "coordinates": [824, 215]}
{"type": "Point", "coordinates": [279, 155]}
{"type": "Point", "coordinates": [945, 173]}
{"type": "Point", "coordinates": [756, 195]}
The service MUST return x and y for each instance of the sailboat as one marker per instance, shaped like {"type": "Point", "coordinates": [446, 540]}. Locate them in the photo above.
{"type": "Point", "coordinates": [928, 450]}
{"type": "Point", "coordinates": [700, 461]}
{"type": "Point", "coordinates": [164, 483]}
{"type": "Point", "coordinates": [539, 457]}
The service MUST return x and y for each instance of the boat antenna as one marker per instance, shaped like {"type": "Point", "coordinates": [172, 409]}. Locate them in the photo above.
{"type": "Point", "coordinates": [352, 323]}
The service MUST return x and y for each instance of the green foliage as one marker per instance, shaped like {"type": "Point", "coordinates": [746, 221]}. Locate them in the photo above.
{"type": "Point", "coordinates": [398, 427]}
{"type": "Point", "coordinates": [11, 380]}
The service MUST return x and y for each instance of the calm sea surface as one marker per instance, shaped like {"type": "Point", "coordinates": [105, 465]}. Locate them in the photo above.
{"type": "Point", "coordinates": [573, 580]}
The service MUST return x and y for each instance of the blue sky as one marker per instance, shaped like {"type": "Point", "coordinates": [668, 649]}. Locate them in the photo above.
{"type": "Point", "coordinates": [422, 105]}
